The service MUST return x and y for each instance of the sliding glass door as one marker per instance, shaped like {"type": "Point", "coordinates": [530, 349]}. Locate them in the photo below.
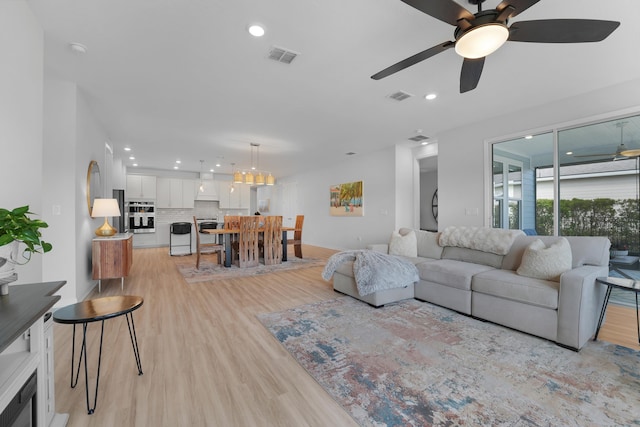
{"type": "Point", "coordinates": [589, 171]}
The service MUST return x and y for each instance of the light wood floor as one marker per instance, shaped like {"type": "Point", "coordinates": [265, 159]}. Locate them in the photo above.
{"type": "Point", "coordinates": [207, 360]}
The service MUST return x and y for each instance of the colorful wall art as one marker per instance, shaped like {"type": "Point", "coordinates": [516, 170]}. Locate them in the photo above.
{"type": "Point", "coordinates": [346, 199]}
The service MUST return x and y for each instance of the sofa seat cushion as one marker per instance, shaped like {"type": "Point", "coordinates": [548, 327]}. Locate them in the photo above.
{"type": "Point", "coordinates": [452, 273]}
{"type": "Point", "coordinates": [509, 285]}
{"type": "Point", "coordinates": [346, 269]}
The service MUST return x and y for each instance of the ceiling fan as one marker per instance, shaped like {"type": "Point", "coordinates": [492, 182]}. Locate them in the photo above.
{"type": "Point", "coordinates": [480, 34]}
{"type": "Point", "coordinates": [622, 152]}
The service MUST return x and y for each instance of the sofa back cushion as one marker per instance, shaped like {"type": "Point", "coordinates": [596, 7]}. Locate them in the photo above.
{"type": "Point", "coordinates": [486, 239]}
{"type": "Point", "coordinates": [585, 250]}
{"type": "Point", "coordinates": [403, 244]}
{"type": "Point", "coordinates": [472, 255]}
{"type": "Point", "coordinates": [427, 241]}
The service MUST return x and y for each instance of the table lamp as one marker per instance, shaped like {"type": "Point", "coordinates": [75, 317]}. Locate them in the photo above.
{"type": "Point", "coordinates": [105, 208]}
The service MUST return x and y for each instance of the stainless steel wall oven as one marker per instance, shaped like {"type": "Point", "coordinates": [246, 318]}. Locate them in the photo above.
{"type": "Point", "coordinates": [142, 216]}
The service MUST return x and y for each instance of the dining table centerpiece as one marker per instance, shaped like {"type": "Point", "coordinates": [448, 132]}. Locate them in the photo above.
{"type": "Point", "coordinates": [16, 227]}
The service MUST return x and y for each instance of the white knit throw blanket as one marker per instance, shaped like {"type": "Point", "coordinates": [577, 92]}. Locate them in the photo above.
{"type": "Point", "coordinates": [494, 240]}
{"type": "Point", "coordinates": [374, 271]}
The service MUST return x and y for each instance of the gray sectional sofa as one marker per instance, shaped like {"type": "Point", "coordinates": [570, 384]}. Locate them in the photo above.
{"type": "Point", "coordinates": [488, 286]}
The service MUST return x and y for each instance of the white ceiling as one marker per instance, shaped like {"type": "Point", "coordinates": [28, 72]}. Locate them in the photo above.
{"type": "Point", "coordinates": [183, 79]}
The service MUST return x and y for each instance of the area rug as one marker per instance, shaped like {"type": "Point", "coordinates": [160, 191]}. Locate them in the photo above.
{"type": "Point", "coordinates": [212, 271]}
{"type": "Point", "coordinates": [415, 364]}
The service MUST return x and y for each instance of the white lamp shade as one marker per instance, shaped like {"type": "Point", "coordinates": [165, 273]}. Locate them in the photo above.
{"type": "Point", "coordinates": [105, 208]}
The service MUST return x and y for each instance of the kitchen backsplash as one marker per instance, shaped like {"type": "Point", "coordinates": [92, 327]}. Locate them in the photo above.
{"type": "Point", "coordinates": [201, 210]}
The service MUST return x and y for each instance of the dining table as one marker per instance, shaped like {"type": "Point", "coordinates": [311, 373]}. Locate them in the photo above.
{"type": "Point", "coordinates": [228, 233]}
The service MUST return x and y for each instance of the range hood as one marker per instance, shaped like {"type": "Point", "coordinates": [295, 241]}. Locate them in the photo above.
{"type": "Point", "coordinates": [209, 186]}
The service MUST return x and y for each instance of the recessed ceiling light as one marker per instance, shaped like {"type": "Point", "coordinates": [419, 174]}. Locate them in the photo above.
{"type": "Point", "coordinates": [135, 164]}
{"type": "Point", "coordinates": [256, 30]}
{"type": "Point", "coordinates": [430, 96]}
{"type": "Point", "coordinates": [178, 161]}
{"type": "Point", "coordinates": [127, 149]}
{"type": "Point", "coordinates": [131, 158]}
{"type": "Point", "coordinates": [528, 137]}
{"type": "Point", "coordinates": [211, 170]}
{"type": "Point", "coordinates": [217, 165]}
{"type": "Point", "coordinates": [175, 167]}
{"type": "Point", "coordinates": [424, 143]}
{"type": "Point", "coordinates": [569, 153]}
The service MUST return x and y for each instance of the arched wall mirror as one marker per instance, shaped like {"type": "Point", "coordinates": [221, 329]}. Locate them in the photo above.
{"type": "Point", "coordinates": [94, 185]}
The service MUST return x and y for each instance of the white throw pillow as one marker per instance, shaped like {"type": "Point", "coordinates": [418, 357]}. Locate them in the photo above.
{"type": "Point", "coordinates": [548, 263]}
{"type": "Point", "coordinates": [406, 245]}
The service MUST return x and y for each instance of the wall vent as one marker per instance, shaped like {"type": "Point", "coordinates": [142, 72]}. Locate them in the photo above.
{"type": "Point", "coordinates": [282, 55]}
{"type": "Point", "coordinates": [418, 138]}
{"type": "Point", "coordinates": [399, 96]}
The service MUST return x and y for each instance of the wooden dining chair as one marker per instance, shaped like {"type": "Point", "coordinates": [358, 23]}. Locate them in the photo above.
{"type": "Point", "coordinates": [272, 240]}
{"type": "Point", "coordinates": [206, 248]}
{"type": "Point", "coordinates": [232, 222]}
{"type": "Point", "coordinates": [297, 237]}
{"type": "Point", "coordinates": [247, 243]}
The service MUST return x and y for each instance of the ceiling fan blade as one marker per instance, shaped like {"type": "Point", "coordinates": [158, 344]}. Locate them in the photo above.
{"type": "Point", "coordinates": [561, 30]}
{"type": "Point", "coordinates": [519, 6]}
{"type": "Point", "coordinates": [470, 74]}
{"type": "Point", "coordinates": [445, 10]}
{"type": "Point", "coordinates": [412, 60]}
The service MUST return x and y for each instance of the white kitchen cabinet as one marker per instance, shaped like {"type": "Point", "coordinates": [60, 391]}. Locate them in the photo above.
{"type": "Point", "coordinates": [163, 199]}
{"type": "Point", "coordinates": [141, 187]}
{"type": "Point", "coordinates": [238, 199]}
{"type": "Point", "coordinates": [162, 234]}
{"type": "Point", "coordinates": [188, 193]}
{"type": "Point", "coordinates": [175, 193]}
{"type": "Point", "coordinates": [144, 240]}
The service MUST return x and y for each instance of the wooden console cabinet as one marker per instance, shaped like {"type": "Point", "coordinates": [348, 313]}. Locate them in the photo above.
{"type": "Point", "coordinates": [112, 257]}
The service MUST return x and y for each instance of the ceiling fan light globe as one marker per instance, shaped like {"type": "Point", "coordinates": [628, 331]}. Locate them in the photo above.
{"type": "Point", "coordinates": [483, 40]}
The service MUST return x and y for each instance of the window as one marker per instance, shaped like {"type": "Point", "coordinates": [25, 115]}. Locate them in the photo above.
{"type": "Point", "coordinates": [596, 186]}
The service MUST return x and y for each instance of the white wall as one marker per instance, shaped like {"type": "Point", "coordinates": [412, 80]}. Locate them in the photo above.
{"type": "Point", "coordinates": [90, 145]}
{"type": "Point", "coordinates": [60, 180]}
{"type": "Point", "coordinates": [72, 139]}
{"type": "Point", "coordinates": [406, 168]}
{"type": "Point", "coordinates": [377, 171]}
{"type": "Point", "coordinates": [21, 50]}
{"type": "Point", "coordinates": [461, 169]}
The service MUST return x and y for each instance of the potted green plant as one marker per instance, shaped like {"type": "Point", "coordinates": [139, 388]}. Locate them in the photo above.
{"type": "Point", "coordinates": [17, 227]}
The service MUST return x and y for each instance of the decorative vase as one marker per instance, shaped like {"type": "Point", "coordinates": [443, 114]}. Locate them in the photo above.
{"type": "Point", "coordinates": [8, 257]}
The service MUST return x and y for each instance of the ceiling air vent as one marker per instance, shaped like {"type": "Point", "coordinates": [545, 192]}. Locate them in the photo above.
{"type": "Point", "coordinates": [282, 55]}
{"type": "Point", "coordinates": [418, 138]}
{"type": "Point", "coordinates": [400, 96]}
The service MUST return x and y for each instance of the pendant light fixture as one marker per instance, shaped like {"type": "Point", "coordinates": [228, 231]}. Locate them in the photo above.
{"type": "Point", "coordinates": [271, 180]}
{"type": "Point", "coordinates": [231, 187]}
{"type": "Point", "coordinates": [237, 176]}
{"type": "Point", "coordinates": [259, 175]}
{"type": "Point", "coordinates": [201, 188]}
{"type": "Point", "coordinates": [631, 152]}
{"type": "Point", "coordinates": [248, 177]}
